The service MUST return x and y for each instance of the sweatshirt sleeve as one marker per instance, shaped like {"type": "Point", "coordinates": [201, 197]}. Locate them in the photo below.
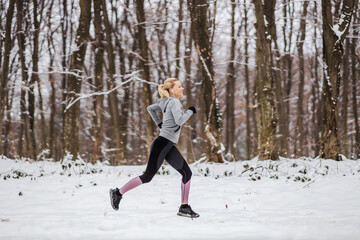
{"type": "Point", "coordinates": [179, 115]}
{"type": "Point", "coordinates": [153, 111]}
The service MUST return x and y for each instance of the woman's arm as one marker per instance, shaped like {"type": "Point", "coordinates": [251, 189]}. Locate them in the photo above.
{"type": "Point", "coordinates": [153, 110]}
{"type": "Point", "coordinates": [180, 117]}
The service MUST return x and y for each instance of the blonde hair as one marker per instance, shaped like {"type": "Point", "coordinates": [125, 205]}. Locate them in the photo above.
{"type": "Point", "coordinates": [165, 87]}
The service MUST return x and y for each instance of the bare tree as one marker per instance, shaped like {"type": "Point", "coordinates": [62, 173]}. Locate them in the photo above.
{"type": "Point", "coordinates": [333, 36]}
{"type": "Point", "coordinates": [344, 100]}
{"type": "Point", "coordinates": [125, 108]}
{"type": "Point", "coordinates": [98, 83]}
{"type": "Point", "coordinates": [199, 28]}
{"type": "Point", "coordinates": [267, 144]}
{"type": "Point", "coordinates": [300, 110]}
{"type": "Point", "coordinates": [5, 67]}
{"type": "Point", "coordinates": [230, 90]}
{"type": "Point", "coordinates": [144, 53]}
{"type": "Point", "coordinates": [112, 98]}
{"type": "Point", "coordinates": [24, 125]}
{"type": "Point", "coordinates": [178, 38]}
{"type": "Point", "coordinates": [283, 126]}
{"type": "Point", "coordinates": [71, 127]}
{"type": "Point", "coordinates": [316, 107]}
{"type": "Point", "coordinates": [247, 83]}
{"type": "Point", "coordinates": [355, 72]}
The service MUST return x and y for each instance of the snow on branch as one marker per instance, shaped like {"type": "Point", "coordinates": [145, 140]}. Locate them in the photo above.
{"type": "Point", "coordinates": [344, 22]}
{"type": "Point", "coordinates": [131, 77]}
{"type": "Point", "coordinates": [206, 68]}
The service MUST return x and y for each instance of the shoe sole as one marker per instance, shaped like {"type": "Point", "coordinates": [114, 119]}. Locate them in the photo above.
{"type": "Point", "coordinates": [186, 215]}
{"type": "Point", "coordinates": [111, 202]}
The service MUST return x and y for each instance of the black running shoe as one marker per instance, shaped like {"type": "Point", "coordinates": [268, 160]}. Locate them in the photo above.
{"type": "Point", "coordinates": [186, 211]}
{"type": "Point", "coordinates": [115, 197]}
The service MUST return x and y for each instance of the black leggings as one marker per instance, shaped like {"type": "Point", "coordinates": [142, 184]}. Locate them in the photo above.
{"type": "Point", "coordinates": [163, 149]}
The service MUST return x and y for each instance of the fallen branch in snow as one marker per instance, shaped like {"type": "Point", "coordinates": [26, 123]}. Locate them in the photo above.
{"type": "Point", "coordinates": [253, 169]}
{"type": "Point", "coordinates": [307, 185]}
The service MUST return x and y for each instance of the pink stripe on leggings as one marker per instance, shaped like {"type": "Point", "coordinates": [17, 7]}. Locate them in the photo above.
{"type": "Point", "coordinates": [185, 189]}
{"type": "Point", "coordinates": [133, 183]}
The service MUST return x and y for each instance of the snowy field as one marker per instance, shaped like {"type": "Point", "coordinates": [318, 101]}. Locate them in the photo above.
{"type": "Point", "coordinates": [287, 199]}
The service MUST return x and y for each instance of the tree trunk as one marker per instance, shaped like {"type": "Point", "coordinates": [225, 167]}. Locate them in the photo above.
{"type": "Point", "coordinates": [145, 74]}
{"type": "Point", "coordinates": [333, 36]}
{"type": "Point", "coordinates": [178, 38]}
{"type": "Point", "coordinates": [51, 50]}
{"type": "Point", "coordinates": [98, 102]}
{"type": "Point", "coordinates": [289, 9]}
{"type": "Point", "coordinates": [354, 69]}
{"type": "Point", "coordinates": [267, 148]}
{"type": "Point", "coordinates": [317, 98]}
{"type": "Point", "coordinates": [283, 125]}
{"type": "Point", "coordinates": [5, 67]}
{"type": "Point", "coordinates": [112, 98]}
{"type": "Point", "coordinates": [199, 29]}
{"type": "Point", "coordinates": [64, 62]}
{"type": "Point", "coordinates": [345, 101]}
{"type": "Point", "coordinates": [124, 116]}
{"type": "Point", "coordinates": [71, 127]}
{"type": "Point", "coordinates": [24, 126]}
{"type": "Point", "coordinates": [9, 140]}
{"type": "Point", "coordinates": [247, 85]}
{"type": "Point", "coordinates": [190, 133]}
{"type": "Point", "coordinates": [44, 144]}
{"type": "Point", "coordinates": [34, 80]}
{"type": "Point", "coordinates": [230, 91]}
{"type": "Point", "coordinates": [300, 110]}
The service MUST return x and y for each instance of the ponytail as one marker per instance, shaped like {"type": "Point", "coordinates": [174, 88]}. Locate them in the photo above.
{"type": "Point", "coordinates": [164, 88]}
{"type": "Point", "coordinates": [162, 92]}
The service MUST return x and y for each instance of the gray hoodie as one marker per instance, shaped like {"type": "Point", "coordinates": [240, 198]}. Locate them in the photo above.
{"type": "Point", "coordinates": [173, 117]}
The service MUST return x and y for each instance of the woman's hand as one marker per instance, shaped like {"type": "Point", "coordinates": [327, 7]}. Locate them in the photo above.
{"type": "Point", "coordinates": [192, 108]}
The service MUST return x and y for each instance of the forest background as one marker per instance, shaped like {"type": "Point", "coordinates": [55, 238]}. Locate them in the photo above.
{"type": "Point", "coordinates": [268, 78]}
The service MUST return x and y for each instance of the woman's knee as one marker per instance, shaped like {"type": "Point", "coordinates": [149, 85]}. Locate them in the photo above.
{"type": "Point", "coordinates": [145, 178]}
{"type": "Point", "coordinates": [186, 174]}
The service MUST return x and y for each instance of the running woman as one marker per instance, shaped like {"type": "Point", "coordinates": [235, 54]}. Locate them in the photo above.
{"type": "Point", "coordinates": [163, 148]}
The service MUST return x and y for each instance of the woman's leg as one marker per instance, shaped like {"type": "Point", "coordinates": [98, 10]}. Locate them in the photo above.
{"type": "Point", "coordinates": [176, 160]}
{"type": "Point", "coordinates": [160, 147]}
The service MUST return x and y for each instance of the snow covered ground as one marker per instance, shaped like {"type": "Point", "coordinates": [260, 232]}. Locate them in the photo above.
{"type": "Point", "coordinates": [287, 199]}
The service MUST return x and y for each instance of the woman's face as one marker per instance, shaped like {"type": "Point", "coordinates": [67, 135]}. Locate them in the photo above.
{"type": "Point", "coordinates": [177, 91]}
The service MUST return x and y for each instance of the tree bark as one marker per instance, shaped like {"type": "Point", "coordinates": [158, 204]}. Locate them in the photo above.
{"type": "Point", "coordinates": [230, 91]}
{"type": "Point", "coordinates": [247, 84]}
{"type": "Point", "coordinates": [288, 10]}
{"type": "Point", "coordinates": [24, 125]}
{"type": "Point", "coordinates": [355, 80]}
{"type": "Point", "coordinates": [342, 123]}
{"type": "Point", "coordinates": [317, 97]}
{"type": "Point", "coordinates": [191, 131]}
{"type": "Point", "coordinates": [144, 53]}
{"type": "Point", "coordinates": [112, 98]}
{"type": "Point", "coordinates": [35, 80]}
{"type": "Point", "coordinates": [98, 102]}
{"type": "Point", "coordinates": [5, 67]}
{"type": "Point", "coordinates": [199, 29]}
{"type": "Point", "coordinates": [267, 148]}
{"type": "Point", "coordinates": [65, 23]}
{"type": "Point", "coordinates": [178, 39]}
{"type": "Point", "coordinates": [71, 127]}
{"type": "Point", "coordinates": [123, 127]}
{"type": "Point", "coordinates": [283, 125]}
{"type": "Point", "coordinates": [333, 36]}
{"type": "Point", "coordinates": [300, 110]}
{"type": "Point", "coordinates": [51, 50]}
